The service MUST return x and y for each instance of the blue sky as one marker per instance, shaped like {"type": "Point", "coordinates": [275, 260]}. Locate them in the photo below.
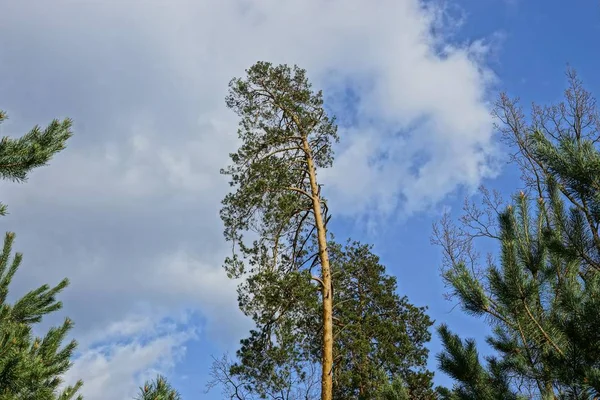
{"type": "Point", "coordinates": [129, 212]}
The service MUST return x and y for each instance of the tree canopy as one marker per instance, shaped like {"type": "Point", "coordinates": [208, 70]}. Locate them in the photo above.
{"type": "Point", "coordinates": [379, 339]}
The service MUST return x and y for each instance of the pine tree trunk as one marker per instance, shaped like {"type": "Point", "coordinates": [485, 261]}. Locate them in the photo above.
{"type": "Point", "coordinates": [327, 354]}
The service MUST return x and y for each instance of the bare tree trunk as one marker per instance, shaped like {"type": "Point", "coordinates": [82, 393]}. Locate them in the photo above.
{"type": "Point", "coordinates": [327, 355]}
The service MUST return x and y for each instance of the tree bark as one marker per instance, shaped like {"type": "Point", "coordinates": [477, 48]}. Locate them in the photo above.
{"type": "Point", "coordinates": [327, 354]}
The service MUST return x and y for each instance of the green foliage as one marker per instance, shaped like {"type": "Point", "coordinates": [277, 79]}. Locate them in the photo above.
{"type": "Point", "coordinates": [379, 335]}
{"type": "Point", "coordinates": [286, 136]}
{"type": "Point", "coordinates": [277, 356]}
{"type": "Point", "coordinates": [542, 295]}
{"type": "Point", "coordinates": [158, 389]}
{"type": "Point", "coordinates": [379, 339]}
{"type": "Point", "coordinates": [30, 367]}
{"type": "Point", "coordinates": [282, 124]}
{"type": "Point", "coordinates": [542, 309]}
{"type": "Point", "coordinates": [395, 390]}
{"type": "Point", "coordinates": [19, 156]}
{"type": "Point", "coordinates": [460, 360]}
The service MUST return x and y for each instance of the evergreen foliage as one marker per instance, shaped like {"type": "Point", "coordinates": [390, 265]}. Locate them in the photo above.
{"type": "Point", "coordinates": [542, 295]}
{"type": "Point", "coordinates": [379, 336]}
{"type": "Point", "coordinates": [395, 390]}
{"type": "Point", "coordinates": [19, 156]}
{"type": "Point", "coordinates": [158, 389]}
{"type": "Point", "coordinates": [379, 340]}
{"type": "Point", "coordinates": [31, 367]}
{"type": "Point", "coordinates": [286, 137]}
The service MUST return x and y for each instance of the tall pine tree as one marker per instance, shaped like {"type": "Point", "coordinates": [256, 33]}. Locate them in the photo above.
{"type": "Point", "coordinates": [286, 137]}
{"type": "Point", "coordinates": [542, 294]}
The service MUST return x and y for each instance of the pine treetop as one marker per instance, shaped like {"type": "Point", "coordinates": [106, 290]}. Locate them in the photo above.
{"type": "Point", "coordinates": [158, 389]}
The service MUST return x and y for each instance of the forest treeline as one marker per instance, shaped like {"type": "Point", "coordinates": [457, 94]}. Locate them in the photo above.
{"type": "Point", "coordinates": [329, 322]}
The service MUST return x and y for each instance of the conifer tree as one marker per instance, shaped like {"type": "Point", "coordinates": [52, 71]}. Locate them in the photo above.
{"type": "Point", "coordinates": [542, 295]}
{"type": "Point", "coordinates": [158, 389]}
{"type": "Point", "coordinates": [380, 337]}
{"type": "Point", "coordinates": [31, 367]}
{"type": "Point", "coordinates": [286, 137]}
{"type": "Point", "coordinates": [379, 340]}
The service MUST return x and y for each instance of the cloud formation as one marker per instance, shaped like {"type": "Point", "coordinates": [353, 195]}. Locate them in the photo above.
{"type": "Point", "coordinates": [129, 351]}
{"type": "Point", "coordinates": [130, 210]}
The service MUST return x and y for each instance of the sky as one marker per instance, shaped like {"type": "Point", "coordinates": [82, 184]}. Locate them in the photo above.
{"type": "Point", "coordinates": [129, 211]}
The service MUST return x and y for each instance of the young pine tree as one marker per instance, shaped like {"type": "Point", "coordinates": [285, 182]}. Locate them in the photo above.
{"type": "Point", "coordinates": [542, 294]}
{"type": "Point", "coordinates": [158, 389]}
{"type": "Point", "coordinates": [31, 367]}
{"type": "Point", "coordinates": [286, 137]}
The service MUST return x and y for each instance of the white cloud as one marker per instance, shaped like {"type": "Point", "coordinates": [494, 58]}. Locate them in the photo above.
{"type": "Point", "coordinates": [426, 95]}
{"type": "Point", "coordinates": [188, 278]}
{"type": "Point", "coordinates": [115, 370]}
{"type": "Point", "coordinates": [130, 210]}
